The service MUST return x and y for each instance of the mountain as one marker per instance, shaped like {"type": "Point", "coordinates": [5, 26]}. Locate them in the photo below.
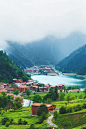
{"type": "Point", "coordinates": [36, 53]}
{"type": "Point", "coordinates": [46, 51]}
{"type": "Point", "coordinates": [8, 69]}
{"type": "Point", "coordinates": [75, 62]}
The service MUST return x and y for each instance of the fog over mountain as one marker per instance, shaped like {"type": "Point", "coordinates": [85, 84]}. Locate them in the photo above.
{"type": "Point", "coordinates": [41, 31]}
{"type": "Point", "coordinates": [47, 51]}
{"type": "Point", "coordinates": [33, 20]}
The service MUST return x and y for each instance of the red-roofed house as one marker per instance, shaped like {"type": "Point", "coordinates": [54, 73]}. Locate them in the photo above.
{"type": "Point", "coordinates": [34, 87]}
{"type": "Point", "coordinates": [36, 105]}
{"type": "Point", "coordinates": [9, 89]}
{"type": "Point", "coordinates": [22, 88]}
{"type": "Point", "coordinates": [17, 80]}
{"type": "Point", "coordinates": [29, 71]}
{"type": "Point", "coordinates": [59, 86]}
{"type": "Point", "coordinates": [46, 85]}
{"type": "Point", "coordinates": [30, 82]}
{"type": "Point", "coordinates": [3, 90]}
{"type": "Point", "coordinates": [40, 88]}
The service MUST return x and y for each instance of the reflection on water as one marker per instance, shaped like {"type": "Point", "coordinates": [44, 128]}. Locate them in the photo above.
{"type": "Point", "coordinates": [67, 80]}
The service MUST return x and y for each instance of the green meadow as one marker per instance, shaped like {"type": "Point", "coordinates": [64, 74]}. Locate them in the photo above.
{"type": "Point", "coordinates": [58, 103]}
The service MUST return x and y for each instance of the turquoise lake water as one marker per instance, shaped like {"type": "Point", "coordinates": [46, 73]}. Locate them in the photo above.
{"type": "Point", "coordinates": [67, 80]}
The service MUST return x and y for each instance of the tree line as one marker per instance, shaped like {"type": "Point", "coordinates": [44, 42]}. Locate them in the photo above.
{"type": "Point", "coordinates": [7, 102]}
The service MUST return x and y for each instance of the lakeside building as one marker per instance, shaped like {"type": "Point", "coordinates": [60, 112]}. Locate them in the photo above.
{"type": "Point", "coordinates": [59, 86]}
{"type": "Point", "coordinates": [40, 88]}
{"type": "Point", "coordinates": [20, 87]}
{"type": "Point", "coordinates": [17, 80]}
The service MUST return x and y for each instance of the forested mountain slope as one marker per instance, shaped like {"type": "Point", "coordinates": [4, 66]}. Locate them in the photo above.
{"type": "Point", "coordinates": [36, 53]}
{"type": "Point", "coordinates": [75, 62]}
{"type": "Point", "coordinates": [46, 51]}
{"type": "Point", "coordinates": [8, 69]}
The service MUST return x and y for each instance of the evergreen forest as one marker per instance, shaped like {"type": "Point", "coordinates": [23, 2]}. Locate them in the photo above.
{"type": "Point", "coordinates": [9, 70]}
{"type": "Point", "coordinates": [75, 62]}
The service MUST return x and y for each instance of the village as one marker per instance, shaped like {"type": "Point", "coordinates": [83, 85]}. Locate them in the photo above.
{"type": "Point", "coordinates": [22, 86]}
{"type": "Point", "coordinates": [33, 87]}
{"type": "Point", "coordinates": [43, 96]}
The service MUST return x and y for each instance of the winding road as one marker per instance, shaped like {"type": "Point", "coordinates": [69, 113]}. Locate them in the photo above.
{"type": "Point", "coordinates": [49, 121]}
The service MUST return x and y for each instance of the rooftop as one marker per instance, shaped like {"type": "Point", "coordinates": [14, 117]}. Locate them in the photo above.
{"type": "Point", "coordinates": [38, 104]}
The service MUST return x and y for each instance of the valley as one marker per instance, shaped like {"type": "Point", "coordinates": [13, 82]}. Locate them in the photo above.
{"type": "Point", "coordinates": [41, 84]}
{"type": "Point", "coordinates": [42, 64]}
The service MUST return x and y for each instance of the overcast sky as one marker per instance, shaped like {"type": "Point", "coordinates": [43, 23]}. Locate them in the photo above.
{"type": "Point", "coordinates": [29, 20]}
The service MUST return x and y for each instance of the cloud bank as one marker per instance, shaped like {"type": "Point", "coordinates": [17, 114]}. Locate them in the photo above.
{"type": "Point", "coordinates": [25, 21]}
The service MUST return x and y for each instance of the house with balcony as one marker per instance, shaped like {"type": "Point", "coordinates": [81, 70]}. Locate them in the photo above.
{"type": "Point", "coordinates": [35, 106]}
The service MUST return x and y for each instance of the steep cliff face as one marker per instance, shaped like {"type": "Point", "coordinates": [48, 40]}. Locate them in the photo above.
{"type": "Point", "coordinates": [46, 51]}
{"type": "Point", "coordinates": [75, 62]}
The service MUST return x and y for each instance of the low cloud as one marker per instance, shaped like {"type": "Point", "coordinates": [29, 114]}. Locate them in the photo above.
{"type": "Point", "coordinates": [25, 21]}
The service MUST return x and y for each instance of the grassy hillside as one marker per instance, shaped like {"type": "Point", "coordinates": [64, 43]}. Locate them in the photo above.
{"type": "Point", "coordinates": [9, 70]}
{"type": "Point", "coordinates": [75, 62]}
{"type": "Point", "coordinates": [25, 113]}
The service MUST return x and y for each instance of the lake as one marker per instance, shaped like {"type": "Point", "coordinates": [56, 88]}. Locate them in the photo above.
{"type": "Point", "coordinates": [61, 79]}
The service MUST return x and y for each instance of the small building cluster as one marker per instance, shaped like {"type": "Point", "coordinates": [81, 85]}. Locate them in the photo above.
{"type": "Point", "coordinates": [42, 69]}
{"type": "Point", "coordinates": [22, 86]}
{"type": "Point", "coordinates": [4, 87]}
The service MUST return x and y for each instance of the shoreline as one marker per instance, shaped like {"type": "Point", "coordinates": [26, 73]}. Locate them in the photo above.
{"type": "Point", "coordinates": [83, 76]}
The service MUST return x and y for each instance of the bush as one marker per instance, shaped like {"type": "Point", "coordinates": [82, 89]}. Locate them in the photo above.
{"type": "Point", "coordinates": [80, 97]}
{"type": "Point", "coordinates": [32, 126]}
{"type": "Point", "coordinates": [11, 121]}
{"type": "Point", "coordinates": [2, 112]}
{"type": "Point", "coordinates": [7, 124]}
{"type": "Point", "coordinates": [4, 120]}
{"type": "Point", "coordinates": [24, 122]}
{"type": "Point", "coordinates": [66, 104]}
{"type": "Point", "coordinates": [48, 101]}
{"type": "Point", "coordinates": [68, 98]}
{"type": "Point", "coordinates": [55, 114]}
{"type": "Point", "coordinates": [61, 96]}
{"type": "Point", "coordinates": [73, 98]}
{"type": "Point", "coordinates": [42, 117]}
{"type": "Point", "coordinates": [84, 97]}
{"type": "Point", "coordinates": [77, 107]}
{"type": "Point", "coordinates": [84, 105]}
{"type": "Point", "coordinates": [20, 121]}
{"type": "Point", "coordinates": [69, 109]}
{"type": "Point", "coordinates": [37, 99]}
{"type": "Point", "coordinates": [62, 110]}
{"type": "Point", "coordinates": [18, 105]}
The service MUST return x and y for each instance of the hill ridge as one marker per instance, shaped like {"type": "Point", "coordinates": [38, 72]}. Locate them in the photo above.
{"type": "Point", "coordinates": [75, 62]}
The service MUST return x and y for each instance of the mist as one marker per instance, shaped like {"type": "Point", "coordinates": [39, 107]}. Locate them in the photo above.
{"type": "Point", "coordinates": [26, 21]}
